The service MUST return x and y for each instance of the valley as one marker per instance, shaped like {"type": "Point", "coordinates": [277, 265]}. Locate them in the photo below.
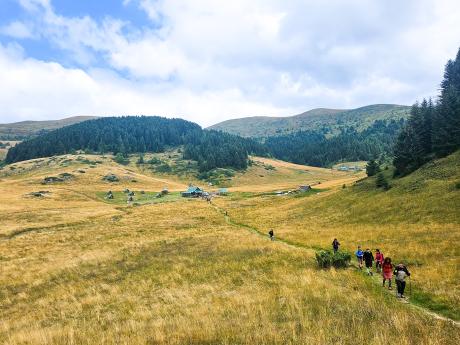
{"type": "Point", "coordinates": [78, 268]}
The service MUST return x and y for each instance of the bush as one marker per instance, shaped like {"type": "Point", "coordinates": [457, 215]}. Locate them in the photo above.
{"type": "Point", "coordinates": [121, 159]}
{"type": "Point", "coordinates": [327, 259]}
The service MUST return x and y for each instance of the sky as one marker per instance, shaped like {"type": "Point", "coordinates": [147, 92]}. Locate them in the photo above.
{"type": "Point", "coordinates": [211, 60]}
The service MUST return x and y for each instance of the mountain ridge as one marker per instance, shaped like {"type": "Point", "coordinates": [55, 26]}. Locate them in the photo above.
{"type": "Point", "coordinates": [323, 119]}
{"type": "Point", "coordinates": [30, 128]}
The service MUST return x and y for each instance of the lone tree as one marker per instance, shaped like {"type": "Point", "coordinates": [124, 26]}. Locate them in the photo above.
{"type": "Point", "coordinates": [372, 168]}
{"type": "Point", "coordinates": [382, 182]}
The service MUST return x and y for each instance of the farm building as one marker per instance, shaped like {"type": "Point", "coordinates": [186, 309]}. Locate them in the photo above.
{"type": "Point", "coordinates": [222, 191]}
{"type": "Point", "coordinates": [305, 188]}
{"type": "Point", "coordinates": [192, 192]}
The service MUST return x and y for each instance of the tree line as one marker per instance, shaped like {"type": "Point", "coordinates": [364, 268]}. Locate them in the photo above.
{"type": "Point", "coordinates": [316, 149]}
{"type": "Point", "coordinates": [433, 129]}
{"type": "Point", "coordinates": [131, 134]}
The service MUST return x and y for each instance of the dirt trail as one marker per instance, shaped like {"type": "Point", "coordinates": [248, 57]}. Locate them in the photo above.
{"type": "Point", "coordinates": [312, 249]}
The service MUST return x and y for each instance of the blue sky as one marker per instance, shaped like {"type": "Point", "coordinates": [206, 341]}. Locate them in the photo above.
{"type": "Point", "coordinates": [211, 60]}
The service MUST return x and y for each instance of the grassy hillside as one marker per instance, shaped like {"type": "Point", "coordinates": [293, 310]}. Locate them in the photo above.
{"type": "Point", "coordinates": [26, 129]}
{"type": "Point", "coordinates": [417, 221]}
{"type": "Point", "coordinates": [77, 268]}
{"type": "Point", "coordinates": [329, 121]}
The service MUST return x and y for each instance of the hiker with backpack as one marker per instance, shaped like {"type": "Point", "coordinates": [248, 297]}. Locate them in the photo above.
{"type": "Point", "coordinates": [335, 245]}
{"type": "Point", "coordinates": [271, 234]}
{"type": "Point", "coordinates": [401, 273]}
{"type": "Point", "coordinates": [378, 260]}
{"type": "Point", "coordinates": [387, 272]}
{"type": "Point", "coordinates": [368, 260]}
{"type": "Point", "coordinates": [359, 255]}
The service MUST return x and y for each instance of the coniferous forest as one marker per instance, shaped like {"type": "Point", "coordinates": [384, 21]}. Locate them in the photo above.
{"type": "Point", "coordinates": [141, 134]}
{"type": "Point", "coordinates": [433, 130]}
{"type": "Point", "coordinates": [314, 148]}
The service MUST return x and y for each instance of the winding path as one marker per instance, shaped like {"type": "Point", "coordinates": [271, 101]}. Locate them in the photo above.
{"type": "Point", "coordinates": [291, 244]}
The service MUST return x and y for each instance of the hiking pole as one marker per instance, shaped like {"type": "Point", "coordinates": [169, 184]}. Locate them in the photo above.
{"type": "Point", "coordinates": [410, 287]}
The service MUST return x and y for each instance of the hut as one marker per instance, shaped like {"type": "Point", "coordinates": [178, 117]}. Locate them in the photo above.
{"type": "Point", "coordinates": [305, 188]}
{"type": "Point", "coordinates": [192, 192]}
{"type": "Point", "coordinates": [222, 191]}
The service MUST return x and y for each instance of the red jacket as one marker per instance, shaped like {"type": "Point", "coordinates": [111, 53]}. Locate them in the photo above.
{"type": "Point", "coordinates": [379, 257]}
{"type": "Point", "coordinates": [387, 269]}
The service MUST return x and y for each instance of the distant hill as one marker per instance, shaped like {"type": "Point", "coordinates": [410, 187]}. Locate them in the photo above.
{"type": "Point", "coordinates": [140, 134]}
{"type": "Point", "coordinates": [327, 121]}
{"type": "Point", "coordinates": [28, 129]}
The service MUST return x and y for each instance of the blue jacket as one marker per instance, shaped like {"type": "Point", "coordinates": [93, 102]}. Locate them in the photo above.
{"type": "Point", "coordinates": [359, 253]}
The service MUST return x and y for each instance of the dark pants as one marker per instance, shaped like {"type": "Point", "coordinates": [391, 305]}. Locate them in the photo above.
{"type": "Point", "coordinates": [401, 286]}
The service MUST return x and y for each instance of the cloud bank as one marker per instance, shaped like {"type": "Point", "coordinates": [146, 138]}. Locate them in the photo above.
{"type": "Point", "coordinates": [208, 61]}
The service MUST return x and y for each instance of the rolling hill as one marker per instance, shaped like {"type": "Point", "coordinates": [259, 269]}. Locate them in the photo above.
{"type": "Point", "coordinates": [28, 129]}
{"type": "Point", "coordinates": [78, 268]}
{"type": "Point", "coordinates": [327, 121]}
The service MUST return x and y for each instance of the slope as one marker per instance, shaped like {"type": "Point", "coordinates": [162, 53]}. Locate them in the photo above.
{"type": "Point", "coordinates": [27, 129]}
{"type": "Point", "coordinates": [328, 121]}
{"type": "Point", "coordinates": [417, 221]}
{"type": "Point", "coordinates": [78, 269]}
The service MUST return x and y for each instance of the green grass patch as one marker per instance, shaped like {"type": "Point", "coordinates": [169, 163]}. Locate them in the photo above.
{"type": "Point", "coordinates": [432, 303]}
{"type": "Point", "coordinates": [121, 198]}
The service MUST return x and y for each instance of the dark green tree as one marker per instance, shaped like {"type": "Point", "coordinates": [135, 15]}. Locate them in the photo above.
{"type": "Point", "coordinates": [381, 182]}
{"type": "Point", "coordinates": [372, 168]}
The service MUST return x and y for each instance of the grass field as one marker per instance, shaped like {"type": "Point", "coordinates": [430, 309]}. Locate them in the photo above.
{"type": "Point", "coordinates": [79, 269]}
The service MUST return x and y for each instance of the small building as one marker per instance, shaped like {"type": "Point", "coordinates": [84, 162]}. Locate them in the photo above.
{"type": "Point", "coordinates": [305, 188]}
{"type": "Point", "coordinates": [222, 191]}
{"type": "Point", "coordinates": [343, 168]}
{"type": "Point", "coordinates": [192, 192]}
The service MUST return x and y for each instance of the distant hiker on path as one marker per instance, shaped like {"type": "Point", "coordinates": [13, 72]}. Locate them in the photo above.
{"type": "Point", "coordinates": [335, 245]}
{"type": "Point", "coordinates": [359, 255]}
{"type": "Point", "coordinates": [369, 260]}
{"type": "Point", "coordinates": [271, 234]}
{"type": "Point", "coordinates": [401, 273]}
{"type": "Point", "coordinates": [387, 272]}
{"type": "Point", "coordinates": [378, 260]}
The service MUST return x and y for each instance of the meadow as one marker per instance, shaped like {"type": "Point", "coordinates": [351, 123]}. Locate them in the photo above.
{"type": "Point", "coordinates": [79, 269]}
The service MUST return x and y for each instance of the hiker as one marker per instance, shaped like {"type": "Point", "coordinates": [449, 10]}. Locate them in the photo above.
{"type": "Point", "coordinates": [401, 273]}
{"type": "Point", "coordinates": [359, 255]}
{"type": "Point", "coordinates": [271, 234]}
{"type": "Point", "coordinates": [387, 272]}
{"type": "Point", "coordinates": [368, 260]}
{"type": "Point", "coordinates": [378, 260]}
{"type": "Point", "coordinates": [335, 245]}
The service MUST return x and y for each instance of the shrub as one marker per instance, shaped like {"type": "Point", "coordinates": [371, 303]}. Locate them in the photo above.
{"type": "Point", "coordinates": [120, 159]}
{"type": "Point", "coordinates": [327, 259]}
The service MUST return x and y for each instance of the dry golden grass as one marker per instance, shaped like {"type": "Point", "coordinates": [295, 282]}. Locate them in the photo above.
{"type": "Point", "coordinates": [417, 221]}
{"type": "Point", "coordinates": [90, 272]}
{"type": "Point", "coordinates": [286, 176]}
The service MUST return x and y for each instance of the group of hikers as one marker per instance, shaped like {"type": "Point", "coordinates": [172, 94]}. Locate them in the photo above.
{"type": "Point", "coordinates": [382, 265]}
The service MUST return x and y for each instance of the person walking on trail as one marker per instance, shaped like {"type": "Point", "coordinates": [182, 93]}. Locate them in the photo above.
{"type": "Point", "coordinates": [335, 245]}
{"type": "Point", "coordinates": [378, 260]}
{"type": "Point", "coordinates": [368, 260]}
{"type": "Point", "coordinates": [401, 273]}
{"type": "Point", "coordinates": [271, 234]}
{"type": "Point", "coordinates": [359, 255]}
{"type": "Point", "coordinates": [387, 272]}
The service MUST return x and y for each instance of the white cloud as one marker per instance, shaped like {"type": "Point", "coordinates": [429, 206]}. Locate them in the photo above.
{"type": "Point", "coordinates": [17, 30]}
{"type": "Point", "coordinates": [208, 60]}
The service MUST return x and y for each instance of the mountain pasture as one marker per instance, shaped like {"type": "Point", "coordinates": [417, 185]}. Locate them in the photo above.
{"type": "Point", "coordinates": [80, 269]}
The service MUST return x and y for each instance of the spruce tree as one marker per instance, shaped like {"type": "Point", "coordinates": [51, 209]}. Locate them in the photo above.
{"type": "Point", "coordinates": [381, 182]}
{"type": "Point", "coordinates": [372, 168]}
